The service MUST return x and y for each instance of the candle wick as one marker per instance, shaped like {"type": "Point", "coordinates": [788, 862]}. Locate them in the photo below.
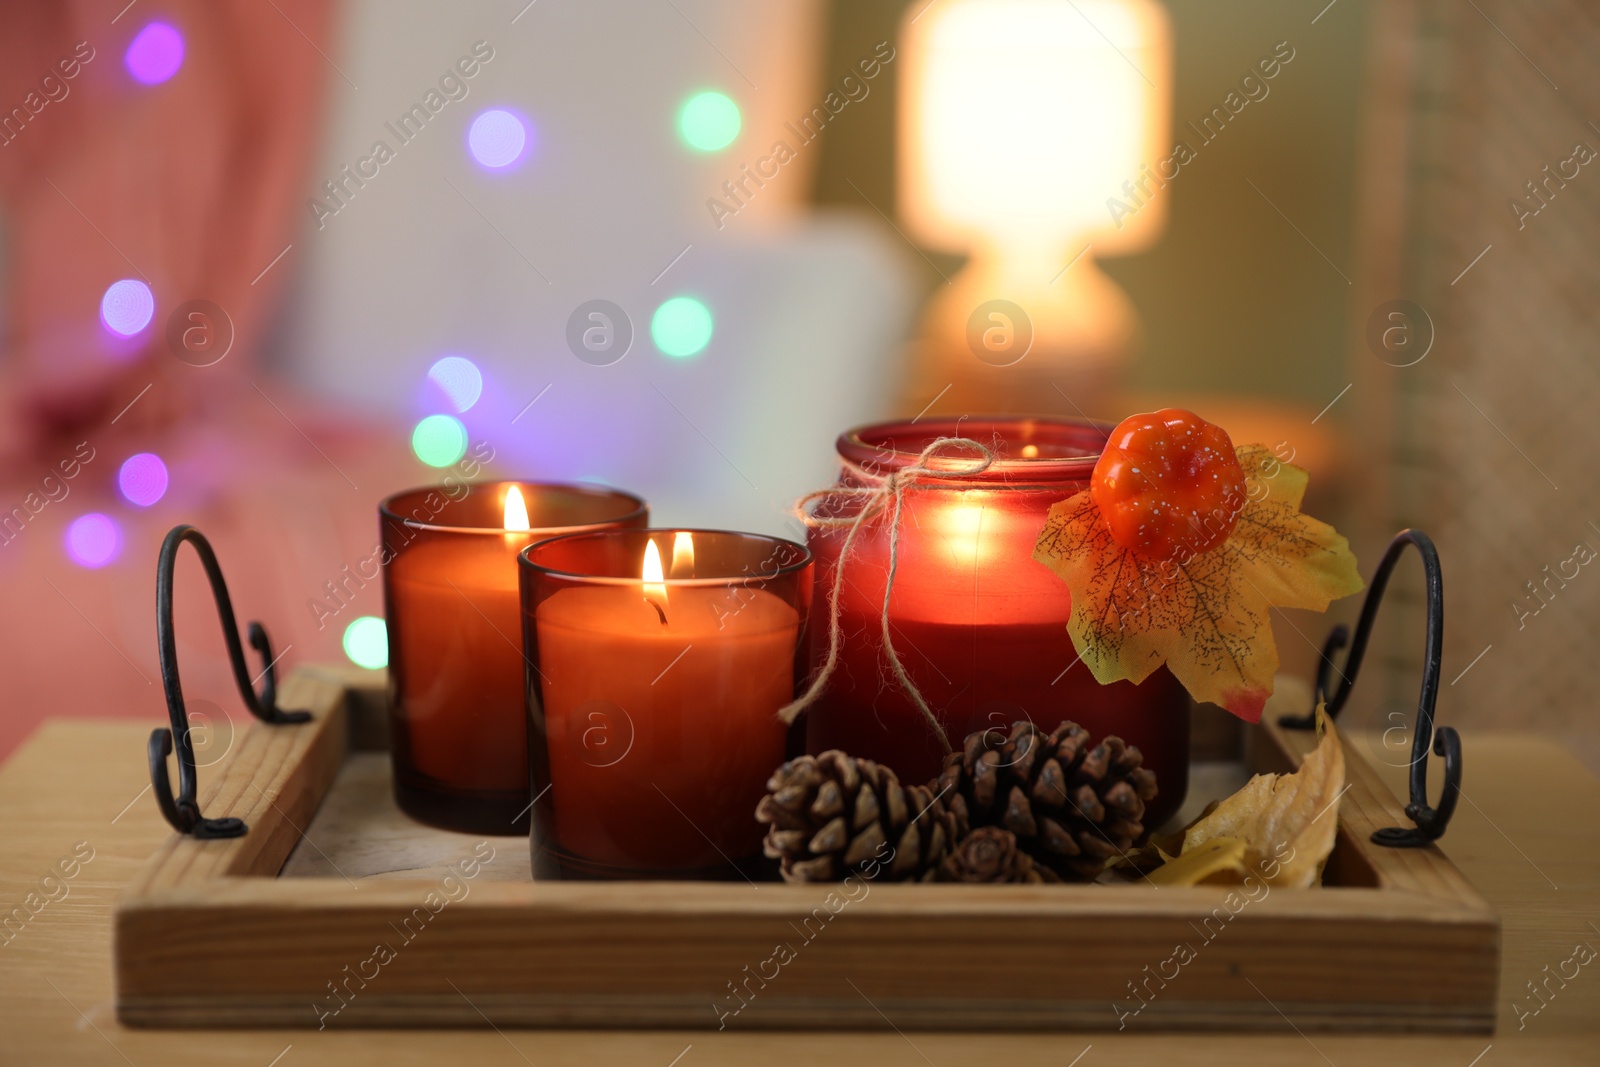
{"type": "Point", "coordinates": [659, 612]}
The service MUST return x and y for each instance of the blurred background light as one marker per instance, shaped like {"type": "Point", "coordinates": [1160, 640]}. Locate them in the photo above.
{"type": "Point", "coordinates": [93, 540]}
{"type": "Point", "coordinates": [366, 642]}
{"type": "Point", "coordinates": [439, 440]}
{"type": "Point", "coordinates": [709, 121]}
{"type": "Point", "coordinates": [127, 307]}
{"type": "Point", "coordinates": [143, 479]}
{"type": "Point", "coordinates": [155, 54]}
{"type": "Point", "coordinates": [681, 327]}
{"type": "Point", "coordinates": [1017, 119]}
{"type": "Point", "coordinates": [497, 139]}
{"type": "Point", "coordinates": [459, 379]}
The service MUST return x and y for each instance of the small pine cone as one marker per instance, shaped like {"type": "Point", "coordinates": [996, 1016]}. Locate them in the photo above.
{"type": "Point", "coordinates": [990, 854]}
{"type": "Point", "coordinates": [1071, 806]}
{"type": "Point", "coordinates": [829, 816]}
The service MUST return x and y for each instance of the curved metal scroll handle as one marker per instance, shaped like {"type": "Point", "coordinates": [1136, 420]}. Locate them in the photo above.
{"type": "Point", "coordinates": [1430, 822]}
{"type": "Point", "coordinates": [183, 812]}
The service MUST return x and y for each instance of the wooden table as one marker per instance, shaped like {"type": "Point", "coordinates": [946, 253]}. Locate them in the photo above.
{"type": "Point", "coordinates": [1525, 833]}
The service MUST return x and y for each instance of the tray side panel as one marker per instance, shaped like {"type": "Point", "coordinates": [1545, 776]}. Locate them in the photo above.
{"type": "Point", "coordinates": [274, 781]}
{"type": "Point", "coordinates": [1368, 805]}
{"type": "Point", "coordinates": [955, 959]}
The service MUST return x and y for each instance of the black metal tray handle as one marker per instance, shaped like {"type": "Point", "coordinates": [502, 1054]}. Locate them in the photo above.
{"type": "Point", "coordinates": [1430, 822]}
{"type": "Point", "coordinates": [183, 812]}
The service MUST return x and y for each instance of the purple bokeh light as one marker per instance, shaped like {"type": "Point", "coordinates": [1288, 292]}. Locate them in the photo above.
{"type": "Point", "coordinates": [143, 479]}
{"type": "Point", "coordinates": [497, 139]}
{"type": "Point", "coordinates": [155, 54]}
{"type": "Point", "coordinates": [93, 540]}
{"type": "Point", "coordinates": [127, 307]}
{"type": "Point", "coordinates": [459, 379]}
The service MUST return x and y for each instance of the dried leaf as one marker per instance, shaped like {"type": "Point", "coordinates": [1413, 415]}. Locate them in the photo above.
{"type": "Point", "coordinates": [1208, 617]}
{"type": "Point", "coordinates": [1157, 849]}
{"type": "Point", "coordinates": [1218, 856]}
{"type": "Point", "coordinates": [1287, 821]}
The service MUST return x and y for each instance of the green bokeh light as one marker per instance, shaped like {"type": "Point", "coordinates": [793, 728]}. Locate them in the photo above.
{"type": "Point", "coordinates": [366, 642]}
{"type": "Point", "coordinates": [439, 440]}
{"type": "Point", "coordinates": [709, 121]}
{"type": "Point", "coordinates": [681, 327]}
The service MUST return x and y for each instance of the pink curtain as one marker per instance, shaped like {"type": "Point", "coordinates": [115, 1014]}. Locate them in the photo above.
{"type": "Point", "coordinates": [192, 185]}
{"type": "Point", "coordinates": [196, 185]}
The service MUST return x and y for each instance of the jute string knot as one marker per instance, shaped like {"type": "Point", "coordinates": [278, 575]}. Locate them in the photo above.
{"type": "Point", "coordinates": [879, 493]}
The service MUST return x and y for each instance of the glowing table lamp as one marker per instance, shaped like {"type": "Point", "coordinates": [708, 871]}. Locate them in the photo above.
{"type": "Point", "coordinates": [1020, 123]}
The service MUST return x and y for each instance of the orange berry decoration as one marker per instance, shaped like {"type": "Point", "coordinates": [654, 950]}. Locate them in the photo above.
{"type": "Point", "coordinates": [1169, 484]}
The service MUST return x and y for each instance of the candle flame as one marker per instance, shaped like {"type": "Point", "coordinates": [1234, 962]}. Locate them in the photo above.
{"type": "Point", "coordinates": [516, 510]}
{"type": "Point", "coordinates": [683, 554]}
{"type": "Point", "coordinates": [655, 589]}
{"type": "Point", "coordinates": [1030, 451]}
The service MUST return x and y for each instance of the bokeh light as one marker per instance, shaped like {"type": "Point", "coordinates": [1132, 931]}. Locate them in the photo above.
{"type": "Point", "coordinates": [439, 440]}
{"type": "Point", "coordinates": [709, 121]}
{"type": "Point", "coordinates": [497, 139]}
{"type": "Point", "coordinates": [155, 54]}
{"type": "Point", "coordinates": [93, 540]}
{"type": "Point", "coordinates": [681, 327]}
{"type": "Point", "coordinates": [127, 307]}
{"type": "Point", "coordinates": [459, 379]}
{"type": "Point", "coordinates": [143, 479]}
{"type": "Point", "coordinates": [366, 642]}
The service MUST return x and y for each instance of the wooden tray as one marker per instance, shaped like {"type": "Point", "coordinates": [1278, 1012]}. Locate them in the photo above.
{"type": "Point", "coordinates": [336, 910]}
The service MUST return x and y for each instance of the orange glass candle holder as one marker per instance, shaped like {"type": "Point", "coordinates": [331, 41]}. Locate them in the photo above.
{"type": "Point", "coordinates": [659, 660]}
{"type": "Point", "coordinates": [979, 626]}
{"type": "Point", "coordinates": [458, 733]}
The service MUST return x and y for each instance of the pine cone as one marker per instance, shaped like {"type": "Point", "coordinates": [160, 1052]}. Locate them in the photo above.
{"type": "Point", "coordinates": [832, 815]}
{"type": "Point", "coordinates": [990, 854]}
{"type": "Point", "coordinates": [1071, 807]}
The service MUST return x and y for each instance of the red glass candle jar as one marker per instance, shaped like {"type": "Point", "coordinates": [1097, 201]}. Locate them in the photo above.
{"type": "Point", "coordinates": [458, 733]}
{"type": "Point", "coordinates": [979, 626]}
{"type": "Point", "coordinates": [659, 660]}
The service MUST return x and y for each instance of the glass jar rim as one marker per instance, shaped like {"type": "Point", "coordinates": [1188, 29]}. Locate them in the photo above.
{"type": "Point", "coordinates": [638, 510]}
{"type": "Point", "coordinates": [801, 560]}
{"type": "Point", "coordinates": [873, 448]}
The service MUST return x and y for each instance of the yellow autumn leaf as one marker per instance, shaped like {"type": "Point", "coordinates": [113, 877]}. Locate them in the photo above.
{"type": "Point", "coordinates": [1287, 822]}
{"type": "Point", "coordinates": [1218, 856]}
{"type": "Point", "coordinates": [1207, 617]}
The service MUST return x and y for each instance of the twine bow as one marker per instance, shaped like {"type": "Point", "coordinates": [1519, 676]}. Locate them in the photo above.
{"type": "Point", "coordinates": [879, 492]}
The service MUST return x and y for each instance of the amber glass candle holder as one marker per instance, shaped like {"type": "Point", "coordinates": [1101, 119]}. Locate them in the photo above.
{"type": "Point", "coordinates": [980, 627]}
{"type": "Point", "coordinates": [458, 733]}
{"type": "Point", "coordinates": [659, 661]}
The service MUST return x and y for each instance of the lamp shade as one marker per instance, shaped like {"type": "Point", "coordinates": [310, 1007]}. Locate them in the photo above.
{"type": "Point", "coordinates": [1020, 118]}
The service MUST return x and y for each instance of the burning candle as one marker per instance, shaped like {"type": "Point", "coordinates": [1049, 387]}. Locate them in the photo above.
{"type": "Point", "coordinates": [979, 627]}
{"type": "Point", "coordinates": [455, 663]}
{"type": "Point", "coordinates": [654, 696]}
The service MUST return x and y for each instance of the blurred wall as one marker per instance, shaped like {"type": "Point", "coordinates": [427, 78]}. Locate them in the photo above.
{"type": "Point", "coordinates": [1486, 437]}
{"type": "Point", "coordinates": [436, 256]}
